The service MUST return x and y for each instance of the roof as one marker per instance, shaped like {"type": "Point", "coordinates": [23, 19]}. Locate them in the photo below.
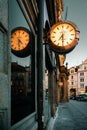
{"type": "Point", "coordinates": [85, 61]}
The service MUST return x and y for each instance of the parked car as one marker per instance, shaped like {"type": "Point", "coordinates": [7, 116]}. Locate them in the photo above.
{"type": "Point", "coordinates": [79, 97]}
{"type": "Point", "coordinates": [73, 97]}
{"type": "Point", "coordinates": [84, 97]}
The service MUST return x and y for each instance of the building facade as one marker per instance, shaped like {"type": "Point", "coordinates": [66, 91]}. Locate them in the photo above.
{"type": "Point", "coordinates": [27, 79]}
{"type": "Point", "coordinates": [72, 82]}
{"type": "Point", "coordinates": [82, 77]}
{"type": "Point", "coordinates": [77, 83]}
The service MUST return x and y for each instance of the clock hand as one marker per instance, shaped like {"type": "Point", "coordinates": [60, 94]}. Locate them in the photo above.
{"type": "Point", "coordinates": [60, 37]}
{"type": "Point", "coordinates": [19, 42]}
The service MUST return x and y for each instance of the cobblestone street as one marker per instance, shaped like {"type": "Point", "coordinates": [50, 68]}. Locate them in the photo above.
{"type": "Point", "coordinates": [71, 116]}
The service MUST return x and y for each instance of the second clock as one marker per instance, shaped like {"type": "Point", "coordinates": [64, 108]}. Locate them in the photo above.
{"type": "Point", "coordinates": [21, 41]}
{"type": "Point", "coordinates": [63, 36]}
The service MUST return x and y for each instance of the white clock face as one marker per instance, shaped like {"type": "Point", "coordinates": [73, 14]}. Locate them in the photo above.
{"type": "Point", "coordinates": [62, 34]}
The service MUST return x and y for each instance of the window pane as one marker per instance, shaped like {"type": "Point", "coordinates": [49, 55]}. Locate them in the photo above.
{"type": "Point", "coordinates": [22, 87]}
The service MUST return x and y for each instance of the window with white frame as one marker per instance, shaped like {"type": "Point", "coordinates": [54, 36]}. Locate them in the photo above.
{"type": "Point", "coordinates": [81, 79]}
{"type": "Point", "coordinates": [81, 85]}
{"type": "Point", "coordinates": [82, 74]}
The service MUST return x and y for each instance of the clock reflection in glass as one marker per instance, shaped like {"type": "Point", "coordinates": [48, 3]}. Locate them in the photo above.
{"type": "Point", "coordinates": [19, 40]}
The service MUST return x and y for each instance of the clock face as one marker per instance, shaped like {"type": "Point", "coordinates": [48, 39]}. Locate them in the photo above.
{"type": "Point", "coordinates": [21, 42]}
{"type": "Point", "coordinates": [20, 38]}
{"type": "Point", "coordinates": [63, 36]}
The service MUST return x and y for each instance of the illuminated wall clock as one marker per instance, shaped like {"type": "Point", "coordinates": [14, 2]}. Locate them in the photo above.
{"type": "Point", "coordinates": [21, 42]}
{"type": "Point", "coordinates": [63, 36]}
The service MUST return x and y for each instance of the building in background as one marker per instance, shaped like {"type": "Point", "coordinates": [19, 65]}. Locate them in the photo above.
{"type": "Point", "coordinates": [77, 83]}
{"type": "Point", "coordinates": [82, 77]}
{"type": "Point", "coordinates": [72, 81]}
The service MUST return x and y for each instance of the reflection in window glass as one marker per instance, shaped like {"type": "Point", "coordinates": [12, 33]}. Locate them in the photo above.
{"type": "Point", "coordinates": [1, 51]}
{"type": "Point", "coordinates": [22, 72]}
{"type": "Point", "coordinates": [22, 99]}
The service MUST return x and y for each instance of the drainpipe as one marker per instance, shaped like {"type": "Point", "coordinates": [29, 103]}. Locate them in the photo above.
{"type": "Point", "coordinates": [40, 64]}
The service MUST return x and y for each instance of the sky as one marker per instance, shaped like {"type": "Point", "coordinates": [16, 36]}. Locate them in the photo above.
{"type": "Point", "coordinates": [15, 15]}
{"type": "Point", "coordinates": [77, 13]}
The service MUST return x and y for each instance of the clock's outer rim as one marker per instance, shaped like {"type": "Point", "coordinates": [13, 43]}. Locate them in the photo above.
{"type": "Point", "coordinates": [67, 47]}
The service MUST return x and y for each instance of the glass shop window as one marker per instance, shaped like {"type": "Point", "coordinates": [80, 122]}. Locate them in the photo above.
{"type": "Point", "coordinates": [22, 67]}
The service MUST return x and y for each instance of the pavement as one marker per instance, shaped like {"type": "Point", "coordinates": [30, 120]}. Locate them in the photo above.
{"type": "Point", "coordinates": [51, 122]}
{"type": "Point", "coordinates": [63, 119]}
{"type": "Point", "coordinates": [69, 117]}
